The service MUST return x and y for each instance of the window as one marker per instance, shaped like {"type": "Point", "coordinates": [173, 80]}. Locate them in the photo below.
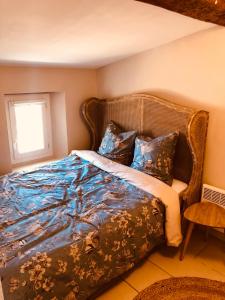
{"type": "Point", "coordinates": [29, 126]}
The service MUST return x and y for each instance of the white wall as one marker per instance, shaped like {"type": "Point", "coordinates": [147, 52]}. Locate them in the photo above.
{"type": "Point", "coordinates": [189, 71]}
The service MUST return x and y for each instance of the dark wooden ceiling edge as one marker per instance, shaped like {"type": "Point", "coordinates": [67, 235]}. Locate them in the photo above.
{"type": "Point", "coordinates": [204, 10]}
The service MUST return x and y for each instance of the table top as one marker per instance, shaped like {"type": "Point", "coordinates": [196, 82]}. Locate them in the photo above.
{"type": "Point", "coordinates": [206, 213]}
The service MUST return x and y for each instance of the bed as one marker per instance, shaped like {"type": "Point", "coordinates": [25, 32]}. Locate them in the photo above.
{"type": "Point", "coordinates": [151, 115]}
{"type": "Point", "coordinates": [69, 228]}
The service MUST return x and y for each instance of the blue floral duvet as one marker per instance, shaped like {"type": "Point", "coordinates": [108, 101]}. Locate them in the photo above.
{"type": "Point", "coordinates": [69, 228]}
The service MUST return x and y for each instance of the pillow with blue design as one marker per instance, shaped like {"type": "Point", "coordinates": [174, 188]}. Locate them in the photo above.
{"type": "Point", "coordinates": [117, 145]}
{"type": "Point", "coordinates": [155, 156]}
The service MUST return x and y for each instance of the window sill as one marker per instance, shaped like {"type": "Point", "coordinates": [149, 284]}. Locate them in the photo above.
{"type": "Point", "coordinates": [33, 166]}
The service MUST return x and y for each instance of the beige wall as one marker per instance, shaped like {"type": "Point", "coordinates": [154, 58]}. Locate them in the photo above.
{"type": "Point", "coordinates": [190, 71]}
{"type": "Point", "coordinates": [76, 84]}
{"type": "Point", "coordinates": [59, 124]}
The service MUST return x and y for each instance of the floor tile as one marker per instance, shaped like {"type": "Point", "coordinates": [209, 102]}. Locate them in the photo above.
{"type": "Point", "coordinates": [192, 265]}
{"type": "Point", "coordinates": [121, 291]}
{"type": "Point", "coordinates": [213, 255]}
{"type": "Point", "coordinates": [144, 275]}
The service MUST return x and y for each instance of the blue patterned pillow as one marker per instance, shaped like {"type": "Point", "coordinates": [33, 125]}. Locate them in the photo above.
{"type": "Point", "coordinates": [155, 156]}
{"type": "Point", "coordinates": [117, 145]}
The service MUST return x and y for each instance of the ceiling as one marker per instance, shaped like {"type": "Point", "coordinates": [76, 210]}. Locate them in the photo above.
{"type": "Point", "coordinates": [85, 33]}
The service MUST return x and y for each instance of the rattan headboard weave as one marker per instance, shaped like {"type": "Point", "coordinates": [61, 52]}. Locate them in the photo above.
{"type": "Point", "coordinates": [153, 116]}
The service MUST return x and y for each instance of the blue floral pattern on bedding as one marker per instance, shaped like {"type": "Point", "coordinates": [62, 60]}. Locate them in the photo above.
{"type": "Point", "coordinates": [68, 228]}
{"type": "Point", "coordinates": [155, 156]}
{"type": "Point", "coordinates": [117, 145]}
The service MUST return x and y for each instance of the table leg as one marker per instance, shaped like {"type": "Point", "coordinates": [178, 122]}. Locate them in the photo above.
{"type": "Point", "coordinates": [187, 239]}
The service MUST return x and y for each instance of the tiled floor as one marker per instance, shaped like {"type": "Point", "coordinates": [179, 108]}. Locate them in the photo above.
{"type": "Point", "coordinates": [202, 259]}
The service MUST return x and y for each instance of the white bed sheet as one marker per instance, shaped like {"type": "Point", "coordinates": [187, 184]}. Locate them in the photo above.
{"type": "Point", "coordinates": [179, 186]}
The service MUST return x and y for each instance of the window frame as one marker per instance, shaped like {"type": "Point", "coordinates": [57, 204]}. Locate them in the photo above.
{"type": "Point", "coordinates": [16, 157]}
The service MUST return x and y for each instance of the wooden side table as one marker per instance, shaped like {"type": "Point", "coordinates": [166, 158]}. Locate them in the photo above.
{"type": "Point", "coordinates": [202, 213]}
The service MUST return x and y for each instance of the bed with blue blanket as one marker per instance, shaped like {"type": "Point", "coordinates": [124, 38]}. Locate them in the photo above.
{"type": "Point", "coordinates": [67, 229]}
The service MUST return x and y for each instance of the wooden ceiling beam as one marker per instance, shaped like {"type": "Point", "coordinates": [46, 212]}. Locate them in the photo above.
{"type": "Point", "coordinates": [205, 10]}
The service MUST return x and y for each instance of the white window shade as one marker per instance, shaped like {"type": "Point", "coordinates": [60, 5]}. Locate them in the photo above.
{"type": "Point", "coordinates": [29, 124]}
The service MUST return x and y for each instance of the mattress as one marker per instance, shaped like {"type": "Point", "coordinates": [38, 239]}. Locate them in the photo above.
{"type": "Point", "coordinates": [179, 186]}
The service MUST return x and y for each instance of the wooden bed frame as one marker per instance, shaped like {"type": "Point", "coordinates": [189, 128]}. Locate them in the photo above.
{"type": "Point", "coordinates": [150, 115]}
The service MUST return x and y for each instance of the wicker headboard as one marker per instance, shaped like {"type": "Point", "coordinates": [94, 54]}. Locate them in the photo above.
{"type": "Point", "coordinates": [150, 115]}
